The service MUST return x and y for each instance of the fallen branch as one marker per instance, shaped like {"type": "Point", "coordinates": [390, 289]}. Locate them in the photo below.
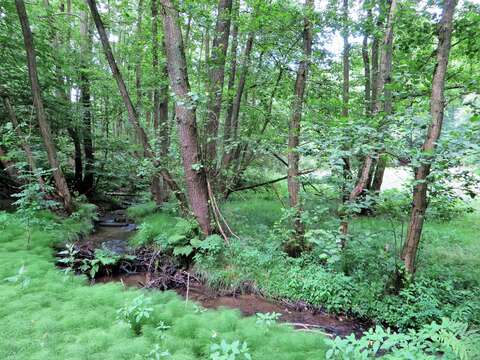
{"type": "Point", "coordinates": [304, 172]}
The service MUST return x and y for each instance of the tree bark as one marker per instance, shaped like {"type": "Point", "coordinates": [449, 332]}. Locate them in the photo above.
{"type": "Point", "coordinates": [294, 131]}
{"type": "Point", "coordinates": [88, 179]}
{"type": "Point", "coordinates": [138, 64]}
{"type": "Point", "coordinates": [227, 129]}
{"type": "Point", "coordinates": [60, 182]}
{"type": "Point", "coordinates": [346, 61]}
{"type": "Point", "coordinates": [229, 152]}
{"type": "Point", "coordinates": [217, 76]}
{"type": "Point", "coordinates": [437, 106]}
{"type": "Point", "coordinates": [160, 108]}
{"type": "Point", "coordinates": [195, 177]}
{"type": "Point", "coordinates": [132, 116]}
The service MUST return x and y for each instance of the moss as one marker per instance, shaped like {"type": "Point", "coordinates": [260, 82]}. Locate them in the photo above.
{"type": "Point", "coordinates": [61, 317]}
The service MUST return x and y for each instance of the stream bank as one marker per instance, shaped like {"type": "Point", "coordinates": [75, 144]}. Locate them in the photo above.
{"type": "Point", "coordinates": [149, 268]}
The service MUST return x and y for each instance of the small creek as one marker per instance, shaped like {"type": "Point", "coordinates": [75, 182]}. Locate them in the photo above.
{"type": "Point", "coordinates": [113, 232]}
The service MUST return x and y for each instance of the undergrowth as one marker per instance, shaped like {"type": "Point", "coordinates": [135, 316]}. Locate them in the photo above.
{"type": "Point", "coordinates": [58, 316]}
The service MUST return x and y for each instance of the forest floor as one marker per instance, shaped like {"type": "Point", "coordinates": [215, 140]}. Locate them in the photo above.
{"type": "Point", "coordinates": [47, 314]}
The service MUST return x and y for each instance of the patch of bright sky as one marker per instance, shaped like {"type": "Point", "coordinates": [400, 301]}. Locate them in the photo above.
{"type": "Point", "coordinates": [335, 44]}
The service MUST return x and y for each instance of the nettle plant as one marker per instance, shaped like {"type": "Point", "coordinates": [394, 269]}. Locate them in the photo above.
{"type": "Point", "coordinates": [235, 350]}
{"type": "Point", "coordinates": [136, 313]}
{"type": "Point", "coordinates": [267, 319]}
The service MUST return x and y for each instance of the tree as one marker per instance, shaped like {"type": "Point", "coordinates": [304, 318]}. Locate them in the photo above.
{"type": "Point", "coordinates": [295, 247]}
{"type": "Point", "coordinates": [132, 116]}
{"type": "Point", "coordinates": [217, 76]}
{"type": "Point", "coordinates": [437, 106]}
{"type": "Point", "coordinates": [60, 182]}
{"type": "Point", "coordinates": [195, 177]}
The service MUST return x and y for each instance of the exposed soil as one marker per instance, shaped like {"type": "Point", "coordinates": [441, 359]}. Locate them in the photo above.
{"type": "Point", "coordinates": [150, 269]}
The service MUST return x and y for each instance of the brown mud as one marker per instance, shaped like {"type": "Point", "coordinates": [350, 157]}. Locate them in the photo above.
{"type": "Point", "coordinates": [112, 232]}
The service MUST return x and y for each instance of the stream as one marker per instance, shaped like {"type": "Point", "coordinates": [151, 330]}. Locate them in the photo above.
{"type": "Point", "coordinates": [112, 233]}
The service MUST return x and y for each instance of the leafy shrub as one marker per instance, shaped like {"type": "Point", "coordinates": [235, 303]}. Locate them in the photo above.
{"type": "Point", "coordinates": [450, 339]}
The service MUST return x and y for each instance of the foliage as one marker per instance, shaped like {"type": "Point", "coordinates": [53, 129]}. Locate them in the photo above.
{"type": "Point", "coordinates": [230, 351]}
{"type": "Point", "coordinates": [448, 339]}
{"type": "Point", "coordinates": [136, 313]}
{"type": "Point", "coordinates": [267, 319]}
{"type": "Point", "coordinates": [20, 278]}
{"type": "Point", "coordinates": [44, 317]}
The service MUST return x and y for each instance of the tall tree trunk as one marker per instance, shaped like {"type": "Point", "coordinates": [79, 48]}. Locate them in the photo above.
{"type": "Point", "coordinates": [386, 79]}
{"type": "Point", "coordinates": [88, 180]}
{"type": "Point", "coordinates": [227, 129]}
{"type": "Point", "coordinates": [132, 116]}
{"type": "Point", "coordinates": [229, 152]}
{"type": "Point", "coordinates": [160, 108]}
{"type": "Point", "coordinates": [60, 182]}
{"type": "Point", "coordinates": [139, 57]}
{"type": "Point", "coordinates": [366, 66]}
{"type": "Point", "coordinates": [195, 177]}
{"type": "Point", "coordinates": [294, 135]}
{"type": "Point", "coordinates": [380, 80]}
{"type": "Point", "coordinates": [346, 61]}
{"type": "Point", "coordinates": [217, 75]}
{"type": "Point", "coordinates": [437, 105]}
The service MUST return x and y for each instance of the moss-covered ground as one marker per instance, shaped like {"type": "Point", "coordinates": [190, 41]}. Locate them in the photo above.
{"type": "Point", "coordinates": [45, 314]}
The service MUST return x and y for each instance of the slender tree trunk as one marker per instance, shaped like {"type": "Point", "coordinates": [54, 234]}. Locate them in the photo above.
{"type": "Point", "coordinates": [132, 116]}
{"type": "Point", "coordinates": [217, 75]}
{"type": "Point", "coordinates": [437, 106]}
{"type": "Point", "coordinates": [227, 129]}
{"type": "Point", "coordinates": [384, 73]}
{"type": "Point", "coordinates": [88, 180]}
{"type": "Point", "coordinates": [346, 61]}
{"type": "Point", "coordinates": [366, 68]}
{"type": "Point", "coordinates": [60, 182]}
{"type": "Point", "coordinates": [186, 118]}
{"type": "Point", "coordinates": [77, 158]}
{"type": "Point", "coordinates": [160, 108]}
{"type": "Point", "coordinates": [229, 152]}
{"type": "Point", "coordinates": [138, 65]}
{"type": "Point", "coordinates": [294, 134]}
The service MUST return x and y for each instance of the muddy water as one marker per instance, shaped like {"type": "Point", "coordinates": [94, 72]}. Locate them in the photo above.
{"type": "Point", "coordinates": [111, 235]}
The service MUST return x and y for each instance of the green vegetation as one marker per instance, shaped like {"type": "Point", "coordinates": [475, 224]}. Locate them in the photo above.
{"type": "Point", "coordinates": [53, 315]}
{"type": "Point", "coordinates": [322, 154]}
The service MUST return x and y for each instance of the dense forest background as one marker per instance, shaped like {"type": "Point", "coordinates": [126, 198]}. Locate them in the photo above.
{"type": "Point", "coordinates": [334, 143]}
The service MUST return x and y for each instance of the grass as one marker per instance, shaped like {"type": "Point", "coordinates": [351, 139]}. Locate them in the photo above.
{"type": "Point", "coordinates": [57, 316]}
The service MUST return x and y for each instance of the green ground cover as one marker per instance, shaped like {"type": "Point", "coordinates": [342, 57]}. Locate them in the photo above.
{"type": "Point", "coordinates": [48, 315]}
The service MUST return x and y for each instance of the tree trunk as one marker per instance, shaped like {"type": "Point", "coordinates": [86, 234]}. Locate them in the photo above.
{"type": "Point", "coordinates": [60, 182]}
{"type": "Point", "coordinates": [132, 116]}
{"type": "Point", "coordinates": [437, 105]}
{"type": "Point", "coordinates": [229, 151]}
{"type": "Point", "coordinates": [294, 134]}
{"type": "Point", "coordinates": [186, 118]}
{"type": "Point", "coordinates": [217, 75]}
{"type": "Point", "coordinates": [77, 158]}
{"type": "Point", "coordinates": [346, 61]}
{"type": "Point", "coordinates": [160, 108]}
{"type": "Point", "coordinates": [227, 129]}
{"type": "Point", "coordinates": [88, 179]}
{"type": "Point", "coordinates": [138, 64]}
{"type": "Point", "coordinates": [366, 68]}
{"type": "Point", "coordinates": [380, 80]}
